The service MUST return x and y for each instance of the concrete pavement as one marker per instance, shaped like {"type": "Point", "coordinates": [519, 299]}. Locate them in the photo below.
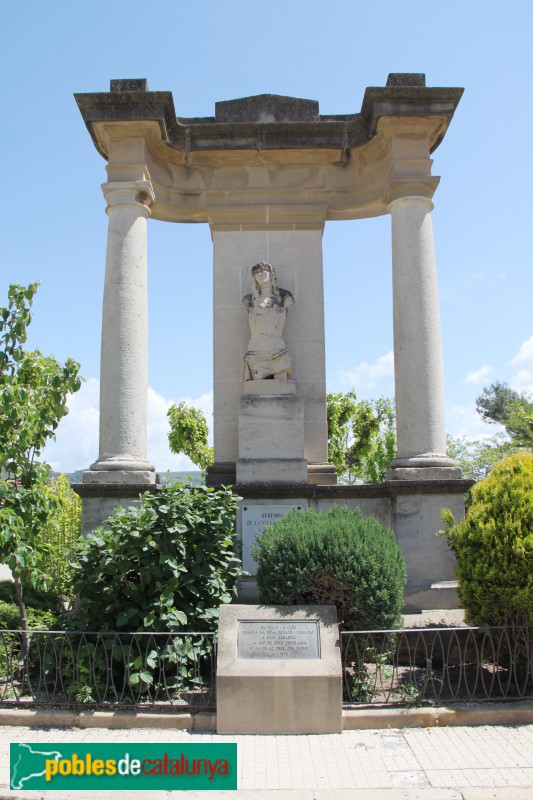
{"type": "Point", "coordinates": [451, 763]}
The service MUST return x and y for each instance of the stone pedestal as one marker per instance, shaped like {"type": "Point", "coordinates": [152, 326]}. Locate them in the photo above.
{"type": "Point", "coordinates": [294, 248]}
{"type": "Point", "coordinates": [271, 434]}
{"type": "Point", "coordinates": [279, 670]}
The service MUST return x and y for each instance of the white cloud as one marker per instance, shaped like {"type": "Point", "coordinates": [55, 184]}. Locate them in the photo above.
{"type": "Point", "coordinates": [523, 381]}
{"type": "Point", "coordinates": [464, 421]}
{"type": "Point", "coordinates": [480, 376]}
{"type": "Point", "coordinates": [368, 376]}
{"type": "Point", "coordinates": [76, 445]}
{"type": "Point", "coordinates": [525, 354]}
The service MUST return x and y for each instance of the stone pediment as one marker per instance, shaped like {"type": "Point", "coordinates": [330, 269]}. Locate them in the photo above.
{"type": "Point", "coordinates": [266, 108]}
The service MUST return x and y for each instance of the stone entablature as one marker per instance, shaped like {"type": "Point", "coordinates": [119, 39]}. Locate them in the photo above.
{"type": "Point", "coordinates": [265, 151]}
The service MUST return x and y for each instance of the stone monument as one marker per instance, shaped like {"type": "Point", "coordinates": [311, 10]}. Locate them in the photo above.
{"type": "Point", "coordinates": [266, 173]}
{"type": "Point", "coordinates": [279, 670]}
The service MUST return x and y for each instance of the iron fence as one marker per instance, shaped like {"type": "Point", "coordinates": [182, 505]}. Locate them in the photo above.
{"type": "Point", "coordinates": [152, 671]}
{"type": "Point", "coordinates": [437, 665]}
{"type": "Point", "coordinates": [161, 671]}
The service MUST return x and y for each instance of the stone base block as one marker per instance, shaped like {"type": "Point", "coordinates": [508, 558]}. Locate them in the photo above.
{"type": "Point", "coordinates": [271, 436]}
{"type": "Point", "coordinates": [439, 595]}
{"type": "Point", "coordinates": [272, 470]}
{"type": "Point", "coordinates": [119, 476]}
{"type": "Point", "coordinates": [221, 473]}
{"type": "Point", "coordinates": [424, 474]}
{"type": "Point", "coordinates": [271, 426]}
{"type": "Point", "coordinates": [322, 474]}
{"type": "Point", "coordinates": [269, 694]}
{"type": "Point", "coordinates": [99, 501]}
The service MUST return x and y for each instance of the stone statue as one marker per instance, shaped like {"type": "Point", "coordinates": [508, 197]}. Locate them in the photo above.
{"type": "Point", "coordinates": [267, 355]}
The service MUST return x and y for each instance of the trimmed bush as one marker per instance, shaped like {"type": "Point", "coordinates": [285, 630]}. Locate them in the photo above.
{"type": "Point", "coordinates": [339, 557]}
{"type": "Point", "coordinates": [165, 566]}
{"type": "Point", "coordinates": [494, 546]}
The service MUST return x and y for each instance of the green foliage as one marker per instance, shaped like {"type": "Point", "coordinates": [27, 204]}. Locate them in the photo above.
{"type": "Point", "coordinates": [165, 566]}
{"type": "Point", "coordinates": [38, 619]}
{"type": "Point", "coordinates": [339, 557]}
{"type": "Point", "coordinates": [45, 600]}
{"type": "Point", "coordinates": [494, 546]}
{"type": "Point", "coordinates": [514, 410]}
{"type": "Point", "coordinates": [361, 437]}
{"type": "Point", "coordinates": [33, 399]}
{"type": "Point", "coordinates": [58, 537]}
{"type": "Point", "coordinates": [188, 434]}
{"type": "Point", "coordinates": [476, 458]}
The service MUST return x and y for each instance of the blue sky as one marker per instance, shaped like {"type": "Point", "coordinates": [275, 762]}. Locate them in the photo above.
{"type": "Point", "coordinates": [54, 223]}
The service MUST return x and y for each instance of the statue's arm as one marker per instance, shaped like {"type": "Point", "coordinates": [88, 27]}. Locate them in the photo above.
{"type": "Point", "coordinates": [288, 299]}
{"type": "Point", "coordinates": [247, 301]}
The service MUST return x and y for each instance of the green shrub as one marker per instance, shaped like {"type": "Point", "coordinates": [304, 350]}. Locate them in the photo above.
{"type": "Point", "coordinates": [340, 557]}
{"type": "Point", "coordinates": [494, 546]}
{"type": "Point", "coordinates": [37, 618]}
{"type": "Point", "coordinates": [165, 566]}
{"type": "Point", "coordinates": [58, 538]}
{"type": "Point", "coordinates": [33, 598]}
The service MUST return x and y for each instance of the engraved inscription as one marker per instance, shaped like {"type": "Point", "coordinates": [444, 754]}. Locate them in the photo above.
{"type": "Point", "coordinates": [254, 519]}
{"type": "Point", "coordinates": [278, 639]}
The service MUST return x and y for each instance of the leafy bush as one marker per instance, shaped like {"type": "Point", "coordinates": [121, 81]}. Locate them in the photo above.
{"type": "Point", "coordinates": [165, 566]}
{"type": "Point", "coordinates": [37, 618]}
{"type": "Point", "coordinates": [58, 537]}
{"type": "Point", "coordinates": [33, 598]}
{"type": "Point", "coordinates": [340, 557]}
{"type": "Point", "coordinates": [494, 546]}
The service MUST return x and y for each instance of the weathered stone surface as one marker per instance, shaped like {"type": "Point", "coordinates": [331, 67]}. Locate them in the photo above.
{"type": "Point", "coordinates": [267, 356]}
{"type": "Point", "coordinates": [406, 79]}
{"type": "Point", "coordinates": [129, 85]}
{"type": "Point", "coordinates": [267, 108]}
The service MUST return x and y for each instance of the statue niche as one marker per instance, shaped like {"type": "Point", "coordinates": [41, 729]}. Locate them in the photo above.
{"type": "Point", "coordinates": [267, 355]}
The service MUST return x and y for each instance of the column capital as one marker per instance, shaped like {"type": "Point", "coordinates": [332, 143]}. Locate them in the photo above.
{"type": "Point", "coordinates": [420, 188]}
{"type": "Point", "coordinates": [410, 198]}
{"type": "Point", "coordinates": [139, 194]}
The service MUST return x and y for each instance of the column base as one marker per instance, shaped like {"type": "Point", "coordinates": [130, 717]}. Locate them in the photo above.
{"type": "Point", "coordinates": [424, 467]}
{"type": "Point", "coordinates": [120, 469]}
{"type": "Point", "coordinates": [321, 474]}
{"type": "Point", "coordinates": [136, 477]}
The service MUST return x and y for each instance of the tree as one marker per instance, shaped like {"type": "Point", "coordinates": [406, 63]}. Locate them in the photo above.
{"type": "Point", "coordinates": [478, 458]}
{"type": "Point", "coordinates": [494, 546]}
{"type": "Point", "coordinates": [361, 437]}
{"type": "Point", "coordinates": [188, 434]}
{"type": "Point", "coordinates": [514, 410]}
{"type": "Point", "coordinates": [33, 399]}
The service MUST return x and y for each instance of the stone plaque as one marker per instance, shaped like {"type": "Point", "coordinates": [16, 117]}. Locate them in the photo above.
{"type": "Point", "coordinates": [285, 639]}
{"type": "Point", "coordinates": [254, 518]}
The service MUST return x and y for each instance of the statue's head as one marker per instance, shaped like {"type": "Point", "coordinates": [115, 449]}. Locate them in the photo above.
{"type": "Point", "coordinates": [264, 274]}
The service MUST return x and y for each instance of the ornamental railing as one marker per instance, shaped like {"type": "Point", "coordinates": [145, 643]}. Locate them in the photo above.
{"type": "Point", "coordinates": [437, 665]}
{"type": "Point", "coordinates": [152, 671]}
{"type": "Point", "coordinates": [163, 671]}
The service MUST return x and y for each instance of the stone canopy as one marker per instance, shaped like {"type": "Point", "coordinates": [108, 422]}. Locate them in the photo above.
{"type": "Point", "coordinates": [271, 151]}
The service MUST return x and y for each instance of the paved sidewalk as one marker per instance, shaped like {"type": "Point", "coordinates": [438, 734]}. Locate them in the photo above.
{"type": "Point", "coordinates": [456, 763]}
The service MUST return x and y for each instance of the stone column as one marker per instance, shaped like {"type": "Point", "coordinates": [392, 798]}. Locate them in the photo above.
{"type": "Point", "coordinates": [124, 360]}
{"type": "Point", "coordinates": [418, 368]}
